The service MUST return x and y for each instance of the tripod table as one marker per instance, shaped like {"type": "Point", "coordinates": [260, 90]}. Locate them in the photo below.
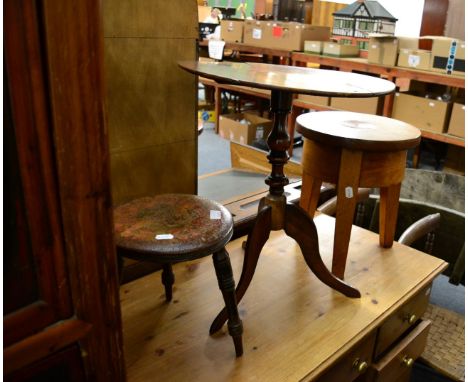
{"type": "Point", "coordinates": [274, 213]}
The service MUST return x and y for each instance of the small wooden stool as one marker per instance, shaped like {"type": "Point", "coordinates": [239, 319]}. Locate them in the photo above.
{"type": "Point", "coordinates": [172, 228]}
{"type": "Point", "coordinates": [354, 150]}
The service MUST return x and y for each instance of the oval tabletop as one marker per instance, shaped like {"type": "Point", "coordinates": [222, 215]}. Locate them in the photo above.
{"type": "Point", "coordinates": [292, 78]}
{"type": "Point", "coordinates": [358, 131]}
{"type": "Point", "coordinates": [172, 226]}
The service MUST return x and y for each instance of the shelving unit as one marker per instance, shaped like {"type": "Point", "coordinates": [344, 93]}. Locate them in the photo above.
{"type": "Point", "coordinates": [391, 74]}
{"type": "Point", "coordinates": [361, 65]}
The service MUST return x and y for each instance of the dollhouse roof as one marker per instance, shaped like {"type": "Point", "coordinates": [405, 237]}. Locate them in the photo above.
{"type": "Point", "coordinates": [374, 9]}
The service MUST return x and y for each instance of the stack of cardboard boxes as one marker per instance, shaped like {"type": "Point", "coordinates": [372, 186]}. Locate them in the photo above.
{"type": "Point", "coordinates": [282, 35]}
{"type": "Point", "coordinates": [447, 55]}
{"type": "Point", "coordinates": [431, 114]}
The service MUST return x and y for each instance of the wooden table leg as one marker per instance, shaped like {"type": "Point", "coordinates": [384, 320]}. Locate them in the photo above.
{"type": "Point", "coordinates": [226, 284]}
{"type": "Point", "coordinates": [346, 192]}
{"type": "Point", "coordinates": [388, 214]}
{"type": "Point", "coordinates": [217, 96]}
{"type": "Point", "coordinates": [300, 226]}
{"type": "Point", "coordinates": [255, 242]}
{"type": "Point", "coordinates": [167, 278]}
{"type": "Point", "coordinates": [295, 111]}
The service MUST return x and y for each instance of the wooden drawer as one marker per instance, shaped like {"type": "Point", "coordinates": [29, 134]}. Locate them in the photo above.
{"type": "Point", "coordinates": [401, 321]}
{"type": "Point", "coordinates": [396, 364]}
{"type": "Point", "coordinates": [352, 364]}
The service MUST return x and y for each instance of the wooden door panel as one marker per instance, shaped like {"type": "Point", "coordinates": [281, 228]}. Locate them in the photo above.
{"type": "Point", "coordinates": [62, 286]}
{"type": "Point", "coordinates": [35, 253]}
{"type": "Point", "coordinates": [433, 20]}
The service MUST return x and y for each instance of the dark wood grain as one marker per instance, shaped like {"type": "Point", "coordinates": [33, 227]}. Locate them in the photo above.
{"type": "Point", "coordinates": [291, 78]}
{"type": "Point", "coordinates": [433, 20]}
{"type": "Point", "coordinates": [257, 238]}
{"type": "Point", "coordinates": [53, 59]}
{"type": "Point", "coordinates": [75, 61]}
{"type": "Point", "coordinates": [28, 129]}
{"type": "Point", "coordinates": [187, 218]}
{"type": "Point", "coordinates": [300, 226]}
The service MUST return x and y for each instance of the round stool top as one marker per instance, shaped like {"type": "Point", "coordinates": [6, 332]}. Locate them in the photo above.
{"type": "Point", "coordinates": [357, 131]}
{"type": "Point", "coordinates": [172, 227]}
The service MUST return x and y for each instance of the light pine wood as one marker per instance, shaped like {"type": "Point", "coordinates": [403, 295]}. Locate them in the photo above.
{"type": "Point", "coordinates": [389, 197]}
{"type": "Point", "coordinates": [310, 193]}
{"type": "Point", "coordinates": [314, 155]}
{"type": "Point", "coordinates": [354, 150]}
{"type": "Point", "coordinates": [358, 131]}
{"type": "Point", "coordinates": [401, 321]}
{"type": "Point", "coordinates": [347, 368]}
{"type": "Point", "coordinates": [392, 367]}
{"type": "Point", "coordinates": [346, 192]}
{"type": "Point", "coordinates": [294, 325]}
{"type": "Point", "coordinates": [322, 13]}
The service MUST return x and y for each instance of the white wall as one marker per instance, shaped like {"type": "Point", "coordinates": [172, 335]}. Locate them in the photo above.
{"type": "Point", "coordinates": [408, 13]}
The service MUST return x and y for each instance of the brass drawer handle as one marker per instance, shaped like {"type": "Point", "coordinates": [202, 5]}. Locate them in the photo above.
{"type": "Point", "coordinates": [410, 318]}
{"type": "Point", "coordinates": [407, 361]}
{"type": "Point", "coordinates": [360, 366]}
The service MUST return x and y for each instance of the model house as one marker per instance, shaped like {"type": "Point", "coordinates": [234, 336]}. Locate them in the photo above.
{"type": "Point", "coordinates": [353, 23]}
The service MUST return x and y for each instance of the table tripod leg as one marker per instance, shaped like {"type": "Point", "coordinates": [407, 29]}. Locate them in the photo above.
{"type": "Point", "coordinates": [301, 228]}
{"type": "Point", "coordinates": [255, 242]}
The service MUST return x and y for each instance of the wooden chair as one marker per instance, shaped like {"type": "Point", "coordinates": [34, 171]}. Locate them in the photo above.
{"type": "Point", "coordinates": [172, 228]}
{"type": "Point", "coordinates": [445, 349]}
{"type": "Point", "coordinates": [354, 150]}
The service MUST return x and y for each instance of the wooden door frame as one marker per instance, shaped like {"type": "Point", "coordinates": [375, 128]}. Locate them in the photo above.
{"type": "Point", "coordinates": [73, 103]}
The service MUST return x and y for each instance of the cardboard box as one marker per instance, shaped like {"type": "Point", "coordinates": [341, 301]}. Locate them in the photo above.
{"type": "Point", "coordinates": [382, 49]}
{"type": "Point", "coordinates": [448, 55]}
{"type": "Point", "coordinates": [423, 113]}
{"type": "Point", "coordinates": [358, 105]}
{"type": "Point", "coordinates": [254, 32]}
{"type": "Point", "coordinates": [282, 35]}
{"type": "Point", "coordinates": [338, 50]}
{"type": "Point", "coordinates": [232, 30]}
{"type": "Point", "coordinates": [408, 42]}
{"type": "Point", "coordinates": [316, 100]}
{"type": "Point", "coordinates": [203, 13]}
{"type": "Point", "coordinates": [457, 121]}
{"type": "Point", "coordinates": [315, 47]}
{"type": "Point", "coordinates": [291, 35]}
{"type": "Point", "coordinates": [414, 59]}
{"type": "Point", "coordinates": [244, 127]}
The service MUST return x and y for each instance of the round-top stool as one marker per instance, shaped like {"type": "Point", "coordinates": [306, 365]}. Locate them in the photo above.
{"type": "Point", "coordinates": [172, 228]}
{"type": "Point", "coordinates": [354, 150]}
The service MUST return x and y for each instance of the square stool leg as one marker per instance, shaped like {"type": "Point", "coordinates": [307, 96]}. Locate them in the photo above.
{"type": "Point", "coordinates": [388, 214]}
{"type": "Point", "coordinates": [227, 285]}
{"type": "Point", "coordinates": [346, 192]}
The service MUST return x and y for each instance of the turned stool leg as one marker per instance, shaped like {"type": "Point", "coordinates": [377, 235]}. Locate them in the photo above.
{"type": "Point", "coordinates": [227, 285]}
{"type": "Point", "coordinates": [346, 192]}
{"type": "Point", "coordinates": [167, 278]}
{"type": "Point", "coordinates": [388, 214]}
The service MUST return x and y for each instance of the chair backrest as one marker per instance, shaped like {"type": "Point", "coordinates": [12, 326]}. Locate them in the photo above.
{"type": "Point", "coordinates": [449, 240]}
{"type": "Point", "coordinates": [425, 226]}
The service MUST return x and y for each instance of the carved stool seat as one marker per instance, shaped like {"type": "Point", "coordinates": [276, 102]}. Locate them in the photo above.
{"type": "Point", "coordinates": [354, 150]}
{"type": "Point", "coordinates": [172, 228]}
